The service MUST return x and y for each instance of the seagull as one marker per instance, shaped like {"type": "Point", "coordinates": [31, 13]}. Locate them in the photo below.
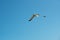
{"type": "Point", "coordinates": [44, 16]}
{"type": "Point", "coordinates": [34, 15]}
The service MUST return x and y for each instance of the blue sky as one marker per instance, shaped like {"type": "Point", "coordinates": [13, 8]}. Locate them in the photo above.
{"type": "Point", "coordinates": [14, 22]}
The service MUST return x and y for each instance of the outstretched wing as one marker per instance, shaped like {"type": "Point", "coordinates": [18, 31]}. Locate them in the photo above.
{"type": "Point", "coordinates": [34, 15]}
{"type": "Point", "coordinates": [31, 17]}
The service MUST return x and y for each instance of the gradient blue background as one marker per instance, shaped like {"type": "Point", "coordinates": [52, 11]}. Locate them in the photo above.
{"type": "Point", "coordinates": [14, 15]}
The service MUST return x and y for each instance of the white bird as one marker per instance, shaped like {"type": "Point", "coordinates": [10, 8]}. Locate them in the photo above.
{"type": "Point", "coordinates": [34, 15]}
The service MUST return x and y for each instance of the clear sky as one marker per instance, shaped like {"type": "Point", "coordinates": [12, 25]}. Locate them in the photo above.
{"type": "Point", "coordinates": [14, 15]}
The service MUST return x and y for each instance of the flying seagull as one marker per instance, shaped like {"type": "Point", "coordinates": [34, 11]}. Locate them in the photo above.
{"type": "Point", "coordinates": [34, 15]}
{"type": "Point", "coordinates": [44, 16]}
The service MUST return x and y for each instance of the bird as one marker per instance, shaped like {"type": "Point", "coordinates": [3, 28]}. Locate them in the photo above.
{"type": "Point", "coordinates": [44, 16]}
{"type": "Point", "coordinates": [34, 15]}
